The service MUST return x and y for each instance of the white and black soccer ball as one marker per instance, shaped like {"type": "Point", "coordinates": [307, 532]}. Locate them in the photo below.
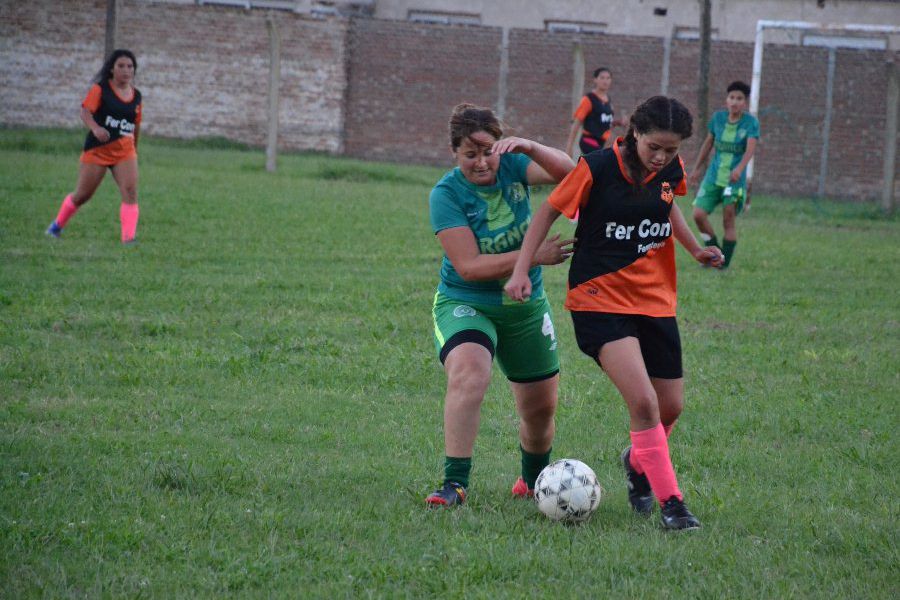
{"type": "Point", "coordinates": [567, 490]}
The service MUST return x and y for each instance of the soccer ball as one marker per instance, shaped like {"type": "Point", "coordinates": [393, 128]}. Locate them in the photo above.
{"type": "Point", "coordinates": [567, 490]}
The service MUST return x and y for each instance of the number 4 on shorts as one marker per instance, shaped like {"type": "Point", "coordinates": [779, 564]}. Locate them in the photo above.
{"type": "Point", "coordinates": [547, 327]}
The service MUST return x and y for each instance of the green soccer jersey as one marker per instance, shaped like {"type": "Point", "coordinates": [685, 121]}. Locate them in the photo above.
{"type": "Point", "coordinates": [498, 216]}
{"type": "Point", "coordinates": [730, 144]}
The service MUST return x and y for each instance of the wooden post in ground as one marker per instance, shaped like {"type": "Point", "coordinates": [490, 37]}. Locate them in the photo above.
{"type": "Point", "coordinates": [111, 25]}
{"type": "Point", "coordinates": [888, 198]}
{"type": "Point", "coordinates": [274, 77]}
{"type": "Point", "coordinates": [703, 79]}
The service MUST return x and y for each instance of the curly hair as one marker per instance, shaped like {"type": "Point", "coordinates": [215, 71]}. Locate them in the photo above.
{"type": "Point", "coordinates": [468, 119]}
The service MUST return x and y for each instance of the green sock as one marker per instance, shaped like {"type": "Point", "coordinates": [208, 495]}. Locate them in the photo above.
{"type": "Point", "coordinates": [711, 241]}
{"type": "Point", "coordinates": [532, 465]}
{"type": "Point", "coordinates": [728, 251]}
{"type": "Point", "coordinates": [457, 469]}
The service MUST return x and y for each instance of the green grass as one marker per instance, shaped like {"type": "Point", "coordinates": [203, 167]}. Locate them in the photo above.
{"type": "Point", "coordinates": [248, 402]}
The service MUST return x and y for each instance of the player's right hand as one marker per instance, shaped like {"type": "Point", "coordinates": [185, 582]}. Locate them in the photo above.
{"type": "Point", "coordinates": [553, 250]}
{"type": "Point", "coordinates": [101, 134]}
{"type": "Point", "coordinates": [518, 287]}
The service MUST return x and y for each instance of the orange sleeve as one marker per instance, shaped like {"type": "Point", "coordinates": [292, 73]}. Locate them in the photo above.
{"type": "Point", "coordinates": [92, 100]}
{"type": "Point", "coordinates": [682, 190]}
{"type": "Point", "coordinates": [573, 192]}
{"type": "Point", "coordinates": [583, 110]}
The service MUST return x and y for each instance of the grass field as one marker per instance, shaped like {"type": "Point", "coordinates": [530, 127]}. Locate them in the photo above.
{"type": "Point", "coordinates": [248, 403]}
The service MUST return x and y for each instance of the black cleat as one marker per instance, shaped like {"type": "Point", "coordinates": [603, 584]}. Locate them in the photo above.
{"type": "Point", "coordinates": [451, 494]}
{"type": "Point", "coordinates": [676, 516]}
{"type": "Point", "coordinates": [639, 493]}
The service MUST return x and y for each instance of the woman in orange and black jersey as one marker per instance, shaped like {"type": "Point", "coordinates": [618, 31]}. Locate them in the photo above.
{"type": "Point", "coordinates": [594, 117]}
{"type": "Point", "coordinates": [112, 112]}
{"type": "Point", "coordinates": [622, 286]}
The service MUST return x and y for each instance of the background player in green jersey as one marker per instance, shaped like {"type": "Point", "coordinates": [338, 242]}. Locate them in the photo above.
{"type": "Point", "coordinates": [733, 133]}
{"type": "Point", "coordinates": [479, 212]}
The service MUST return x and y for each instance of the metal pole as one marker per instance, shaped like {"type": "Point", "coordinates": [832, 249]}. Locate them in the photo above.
{"type": "Point", "coordinates": [274, 77]}
{"type": "Point", "coordinates": [826, 127]}
{"type": "Point", "coordinates": [504, 74]}
{"type": "Point", "coordinates": [755, 82]}
{"type": "Point", "coordinates": [888, 199]}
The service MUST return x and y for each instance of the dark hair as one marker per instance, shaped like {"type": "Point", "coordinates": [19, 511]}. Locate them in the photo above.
{"type": "Point", "coordinates": [468, 119]}
{"type": "Point", "coordinates": [658, 113]}
{"type": "Point", "coordinates": [599, 70]}
{"type": "Point", "coordinates": [105, 73]}
{"type": "Point", "coordinates": [739, 86]}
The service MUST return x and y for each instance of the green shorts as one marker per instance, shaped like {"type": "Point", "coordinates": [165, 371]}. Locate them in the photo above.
{"type": "Point", "coordinates": [520, 335]}
{"type": "Point", "coordinates": [711, 195]}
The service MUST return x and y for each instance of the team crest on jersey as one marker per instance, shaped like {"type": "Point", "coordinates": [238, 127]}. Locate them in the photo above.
{"type": "Point", "coordinates": [667, 195]}
{"type": "Point", "coordinates": [463, 311]}
{"type": "Point", "coordinates": [742, 133]}
{"type": "Point", "coordinates": [515, 192]}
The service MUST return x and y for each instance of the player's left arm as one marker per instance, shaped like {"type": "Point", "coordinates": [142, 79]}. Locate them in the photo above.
{"type": "Point", "coordinates": [748, 154]}
{"type": "Point", "coordinates": [137, 125]}
{"type": "Point", "coordinates": [548, 165]}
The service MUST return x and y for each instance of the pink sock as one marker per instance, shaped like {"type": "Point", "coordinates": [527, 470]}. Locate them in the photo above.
{"type": "Point", "coordinates": [128, 214]}
{"type": "Point", "coordinates": [652, 453]}
{"type": "Point", "coordinates": [66, 211]}
{"type": "Point", "coordinates": [632, 459]}
{"type": "Point", "coordinates": [669, 428]}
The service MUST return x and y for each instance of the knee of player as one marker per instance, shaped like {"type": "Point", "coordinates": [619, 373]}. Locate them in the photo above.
{"type": "Point", "coordinates": [543, 413]}
{"type": "Point", "coordinates": [129, 194]}
{"type": "Point", "coordinates": [470, 377]}
{"type": "Point", "coordinates": [644, 406]}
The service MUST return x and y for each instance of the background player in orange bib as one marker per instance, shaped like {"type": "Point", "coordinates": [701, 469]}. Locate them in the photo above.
{"type": "Point", "coordinates": [621, 289]}
{"type": "Point", "coordinates": [112, 112]}
{"type": "Point", "coordinates": [594, 117]}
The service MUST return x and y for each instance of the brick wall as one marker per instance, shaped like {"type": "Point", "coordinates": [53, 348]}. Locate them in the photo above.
{"type": "Point", "coordinates": [391, 82]}
{"type": "Point", "coordinates": [404, 81]}
{"type": "Point", "coordinates": [203, 70]}
{"type": "Point", "coordinates": [384, 90]}
{"type": "Point", "coordinates": [541, 78]}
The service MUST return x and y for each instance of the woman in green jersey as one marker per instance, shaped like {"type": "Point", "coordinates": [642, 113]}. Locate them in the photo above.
{"type": "Point", "coordinates": [479, 212]}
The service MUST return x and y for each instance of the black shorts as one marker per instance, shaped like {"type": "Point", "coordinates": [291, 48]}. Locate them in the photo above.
{"type": "Point", "coordinates": [658, 337]}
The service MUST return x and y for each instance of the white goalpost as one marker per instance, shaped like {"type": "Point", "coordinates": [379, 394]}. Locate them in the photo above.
{"type": "Point", "coordinates": [826, 32]}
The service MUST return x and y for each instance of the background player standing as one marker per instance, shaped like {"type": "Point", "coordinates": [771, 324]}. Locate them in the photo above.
{"type": "Point", "coordinates": [733, 133]}
{"type": "Point", "coordinates": [112, 112]}
{"type": "Point", "coordinates": [594, 116]}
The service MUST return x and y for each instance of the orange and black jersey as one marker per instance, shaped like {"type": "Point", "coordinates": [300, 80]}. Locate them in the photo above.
{"type": "Point", "coordinates": [624, 260]}
{"type": "Point", "coordinates": [119, 116]}
{"type": "Point", "coordinates": [596, 115]}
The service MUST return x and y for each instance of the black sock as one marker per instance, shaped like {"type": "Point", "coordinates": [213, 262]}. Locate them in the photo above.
{"type": "Point", "coordinates": [457, 469]}
{"type": "Point", "coordinates": [728, 251]}
{"type": "Point", "coordinates": [532, 465]}
{"type": "Point", "coordinates": [711, 242]}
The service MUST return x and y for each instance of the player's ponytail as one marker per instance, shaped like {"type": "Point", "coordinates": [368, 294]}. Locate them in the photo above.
{"type": "Point", "coordinates": [658, 113]}
{"type": "Point", "coordinates": [468, 119]}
